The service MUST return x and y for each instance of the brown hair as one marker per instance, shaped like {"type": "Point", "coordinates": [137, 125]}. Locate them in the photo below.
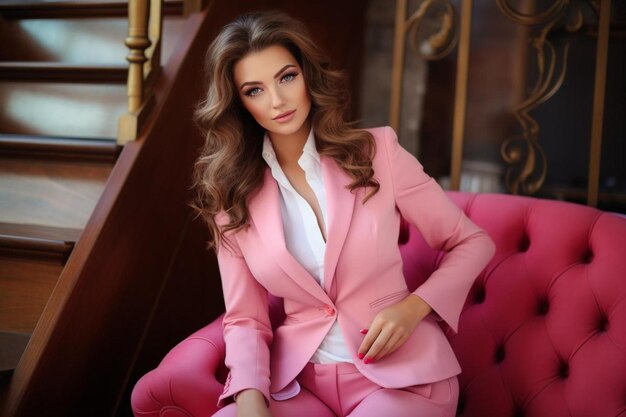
{"type": "Point", "coordinates": [230, 167]}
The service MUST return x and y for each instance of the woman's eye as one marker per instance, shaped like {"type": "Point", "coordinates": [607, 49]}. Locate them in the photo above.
{"type": "Point", "coordinates": [289, 76]}
{"type": "Point", "coordinates": [253, 91]}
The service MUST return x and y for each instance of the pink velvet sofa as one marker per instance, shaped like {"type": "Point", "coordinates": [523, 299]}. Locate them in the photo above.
{"type": "Point", "coordinates": [542, 334]}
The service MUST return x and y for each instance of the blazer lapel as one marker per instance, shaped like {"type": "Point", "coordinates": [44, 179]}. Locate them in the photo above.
{"type": "Point", "coordinates": [340, 201]}
{"type": "Point", "coordinates": [265, 213]}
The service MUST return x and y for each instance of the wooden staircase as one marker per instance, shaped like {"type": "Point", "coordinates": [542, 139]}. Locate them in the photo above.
{"type": "Point", "coordinates": [64, 186]}
{"type": "Point", "coordinates": [53, 165]}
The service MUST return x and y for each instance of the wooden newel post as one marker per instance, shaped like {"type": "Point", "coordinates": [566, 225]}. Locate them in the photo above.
{"type": "Point", "coordinates": [137, 41]}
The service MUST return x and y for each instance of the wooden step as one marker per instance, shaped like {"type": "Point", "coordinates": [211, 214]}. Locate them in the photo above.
{"type": "Point", "coordinates": [96, 42]}
{"type": "Point", "coordinates": [50, 193]}
{"type": "Point", "coordinates": [12, 345]}
{"type": "Point", "coordinates": [54, 148]}
{"type": "Point", "coordinates": [37, 242]}
{"type": "Point", "coordinates": [64, 110]}
{"type": "Point", "coordinates": [25, 287]}
{"type": "Point", "coordinates": [45, 9]}
{"type": "Point", "coordinates": [32, 258]}
{"type": "Point", "coordinates": [61, 72]}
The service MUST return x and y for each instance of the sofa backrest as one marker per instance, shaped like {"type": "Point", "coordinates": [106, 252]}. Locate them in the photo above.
{"type": "Point", "coordinates": [543, 331]}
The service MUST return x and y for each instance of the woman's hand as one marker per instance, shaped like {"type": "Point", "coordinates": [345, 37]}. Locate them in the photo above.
{"type": "Point", "coordinates": [391, 327]}
{"type": "Point", "coordinates": [251, 403]}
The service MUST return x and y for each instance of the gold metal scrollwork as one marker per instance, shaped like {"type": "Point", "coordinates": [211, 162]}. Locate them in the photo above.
{"type": "Point", "coordinates": [440, 43]}
{"type": "Point", "coordinates": [524, 154]}
{"type": "Point", "coordinates": [432, 47]}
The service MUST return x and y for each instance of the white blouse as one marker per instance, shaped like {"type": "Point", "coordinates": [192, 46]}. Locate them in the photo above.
{"type": "Point", "coordinates": [303, 237]}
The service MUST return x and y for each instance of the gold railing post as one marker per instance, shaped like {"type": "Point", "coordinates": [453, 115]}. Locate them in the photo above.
{"type": "Point", "coordinates": [138, 40]}
{"type": "Point", "coordinates": [598, 102]}
{"type": "Point", "coordinates": [460, 95]}
{"type": "Point", "coordinates": [152, 67]}
{"type": "Point", "coordinates": [398, 65]}
{"type": "Point", "coordinates": [431, 41]}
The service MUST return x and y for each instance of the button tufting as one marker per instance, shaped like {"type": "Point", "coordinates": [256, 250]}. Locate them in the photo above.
{"type": "Point", "coordinates": [524, 244]}
{"type": "Point", "coordinates": [563, 370]}
{"type": "Point", "coordinates": [587, 257]}
{"type": "Point", "coordinates": [479, 295]}
{"type": "Point", "coordinates": [499, 354]}
{"type": "Point", "coordinates": [518, 412]}
{"type": "Point", "coordinates": [603, 324]}
{"type": "Point", "coordinates": [543, 306]}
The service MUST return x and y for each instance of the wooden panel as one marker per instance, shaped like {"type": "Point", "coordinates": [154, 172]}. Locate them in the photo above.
{"type": "Point", "coordinates": [25, 286]}
{"type": "Point", "coordinates": [61, 194]}
{"type": "Point", "coordinates": [11, 347]}
{"type": "Point", "coordinates": [193, 291]}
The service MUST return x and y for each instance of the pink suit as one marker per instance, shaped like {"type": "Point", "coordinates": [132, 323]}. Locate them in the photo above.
{"type": "Point", "coordinates": [362, 275]}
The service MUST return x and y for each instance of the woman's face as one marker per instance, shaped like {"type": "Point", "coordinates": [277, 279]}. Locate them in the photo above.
{"type": "Point", "coordinates": [272, 88]}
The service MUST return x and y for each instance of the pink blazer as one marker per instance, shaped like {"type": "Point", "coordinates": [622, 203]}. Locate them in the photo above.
{"type": "Point", "coordinates": [362, 275]}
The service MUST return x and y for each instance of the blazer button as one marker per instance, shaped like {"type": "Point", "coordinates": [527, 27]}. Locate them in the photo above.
{"type": "Point", "coordinates": [330, 311]}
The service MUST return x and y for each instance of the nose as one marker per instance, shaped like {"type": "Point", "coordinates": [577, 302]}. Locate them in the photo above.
{"type": "Point", "coordinates": [277, 99]}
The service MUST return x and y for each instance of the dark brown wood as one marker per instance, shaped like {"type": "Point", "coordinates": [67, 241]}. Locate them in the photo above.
{"type": "Point", "coordinates": [190, 299]}
{"type": "Point", "coordinates": [75, 9]}
{"type": "Point", "coordinates": [62, 72]}
{"type": "Point", "coordinates": [11, 347]}
{"type": "Point", "coordinates": [34, 241]}
{"type": "Point", "coordinates": [25, 286]}
{"type": "Point", "coordinates": [83, 347]}
{"type": "Point", "coordinates": [50, 192]}
{"type": "Point", "coordinates": [60, 234]}
{"type": "Point", "coordinates": [100, 150]}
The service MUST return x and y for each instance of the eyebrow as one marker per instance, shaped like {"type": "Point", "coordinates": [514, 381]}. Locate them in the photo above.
{"type": "Point", "coordinates": [280, 71]}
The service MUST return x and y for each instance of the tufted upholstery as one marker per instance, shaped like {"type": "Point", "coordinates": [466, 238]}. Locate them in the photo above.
{"type": "Point", "coordinates": [543, 332]}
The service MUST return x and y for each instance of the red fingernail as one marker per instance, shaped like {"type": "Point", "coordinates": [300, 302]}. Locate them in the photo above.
{"type": "Point", "coordinates": [361, 355]}
{"type": "Point", "coordinates": [363, 331]}
{"type": "Point", "coordinates": [368, 360]}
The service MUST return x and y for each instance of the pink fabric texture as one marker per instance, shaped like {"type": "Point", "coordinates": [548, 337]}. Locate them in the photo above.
{"type": "Point", "coordinates": [543, 331]}
{"type": "Point", "coordinates": [330, 390]}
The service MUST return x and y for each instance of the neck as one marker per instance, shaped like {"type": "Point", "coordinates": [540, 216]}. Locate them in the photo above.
{"type": "Point", "coordinates": [288, 148]}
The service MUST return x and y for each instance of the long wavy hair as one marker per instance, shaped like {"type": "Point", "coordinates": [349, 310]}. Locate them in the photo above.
{"type": "Point", "coordinates": [230, 167]}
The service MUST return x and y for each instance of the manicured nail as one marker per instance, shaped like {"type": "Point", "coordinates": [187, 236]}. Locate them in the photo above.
{"type": "Point", "coordinates": [368, 360]}
{"type": "Point", "coordinates": [361, 355]}
{"type": "Point", "coordinates": [363, 331]}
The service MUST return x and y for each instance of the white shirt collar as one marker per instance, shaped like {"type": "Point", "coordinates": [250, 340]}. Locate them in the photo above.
{"type": "Point", "coordinates": [269, 155]}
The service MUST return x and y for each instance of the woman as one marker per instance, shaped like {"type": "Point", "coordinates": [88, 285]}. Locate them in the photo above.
{"type": "Point", "coordinates": [304, 207]}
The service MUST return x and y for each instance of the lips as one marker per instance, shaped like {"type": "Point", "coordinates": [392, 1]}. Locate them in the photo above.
{"type": "Point", "coordinates": [283, 117]}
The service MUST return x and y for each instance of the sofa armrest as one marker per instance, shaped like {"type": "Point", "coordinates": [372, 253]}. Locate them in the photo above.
{"type": "Point", "coordinates": [185, 383]}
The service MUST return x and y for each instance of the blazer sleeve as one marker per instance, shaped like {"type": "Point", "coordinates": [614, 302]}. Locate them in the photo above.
{"type": "Point", "coordinates": [247, 328]}
{"type": "Point", "coordinates": [444, 226]}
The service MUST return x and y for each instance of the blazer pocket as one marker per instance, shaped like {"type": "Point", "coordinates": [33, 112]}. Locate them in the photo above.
{"type": "Point", "coordinates": [389, 299]}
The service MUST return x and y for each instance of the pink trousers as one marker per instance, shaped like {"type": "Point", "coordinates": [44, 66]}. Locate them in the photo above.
{"type": "Point", "coordinates": [339, 390]}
